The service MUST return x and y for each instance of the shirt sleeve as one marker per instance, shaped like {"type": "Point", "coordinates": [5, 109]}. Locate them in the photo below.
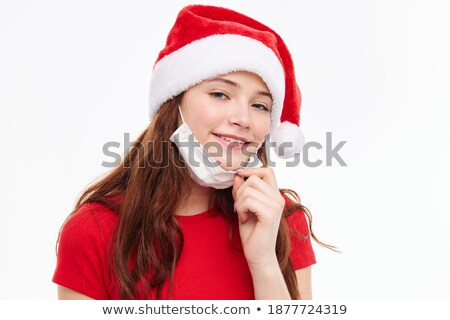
{"type": "Point", "coordinates": [81, 255]}
{"type": "Point", "coordinates": [302, 254]}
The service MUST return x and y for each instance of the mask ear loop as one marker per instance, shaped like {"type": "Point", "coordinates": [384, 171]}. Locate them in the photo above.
{"type": "Point", "coordinates": [181, 114]}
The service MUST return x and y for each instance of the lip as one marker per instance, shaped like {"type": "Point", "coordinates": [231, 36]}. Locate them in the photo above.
{"type": "Point", "coordinates": [231, 136]}
{"type": "Point", "coordinates": [226, 143]}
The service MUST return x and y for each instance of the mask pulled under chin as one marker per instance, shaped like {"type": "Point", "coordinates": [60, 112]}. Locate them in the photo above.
{"type": "Point", "coordinates": [203, 168]}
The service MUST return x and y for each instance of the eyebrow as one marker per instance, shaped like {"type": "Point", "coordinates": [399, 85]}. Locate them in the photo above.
{"type": "Point", "coordinates": [237, 85]}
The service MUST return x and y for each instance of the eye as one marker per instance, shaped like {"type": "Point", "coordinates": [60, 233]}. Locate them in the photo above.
{"type": "Point", "coordinates": [218, 95]}
{"type": "Point", "coordinates": [260, 107]}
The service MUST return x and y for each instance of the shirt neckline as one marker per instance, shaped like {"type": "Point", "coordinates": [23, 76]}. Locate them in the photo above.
{"type": "Point", "coordinates": [197, 216]}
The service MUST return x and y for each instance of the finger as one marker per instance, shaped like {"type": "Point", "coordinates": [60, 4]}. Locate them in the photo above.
{"type": "Point", "coordinates": [258, 184]}
{"type": "Point", "coordinates": [254, 196]}
{"type": "Point", "coordinates": [243, 215]}
{"type": "Point", "coordinates": [267, 174]}
{"type": "Point", "coordinates": [237, 183]}
{"type": "Point", "coordinates": [240, 205]}
{"type": "Point", "coordinates": [253, 201]}
{"type": "Point", "coordinates": [250, 206]}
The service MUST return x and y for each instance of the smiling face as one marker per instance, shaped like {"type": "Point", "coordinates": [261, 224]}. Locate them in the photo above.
{"type": "Point", "coordinates": [229, 115]}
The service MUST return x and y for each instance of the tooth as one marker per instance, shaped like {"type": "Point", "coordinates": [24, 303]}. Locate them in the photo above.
{"type": "Point", "coordinates": [232, 140]}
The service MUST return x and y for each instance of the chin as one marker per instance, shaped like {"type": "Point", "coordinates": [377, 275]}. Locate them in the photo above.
{"type": "Point", "coordinates": [229, 168]}
{"type": "Point", "coordinates": [236, 164]}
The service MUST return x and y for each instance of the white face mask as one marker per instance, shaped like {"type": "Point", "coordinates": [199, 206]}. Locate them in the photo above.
{"type": "Point", "coordinates": [203, 168]}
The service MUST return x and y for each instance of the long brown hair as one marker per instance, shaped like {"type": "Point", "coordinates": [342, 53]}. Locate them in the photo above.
{"type": "Point", "coordinates": [147, 234]}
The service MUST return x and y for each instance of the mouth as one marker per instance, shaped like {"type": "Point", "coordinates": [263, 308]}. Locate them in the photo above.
{"type": "Point", "coordinates": [231, 140]}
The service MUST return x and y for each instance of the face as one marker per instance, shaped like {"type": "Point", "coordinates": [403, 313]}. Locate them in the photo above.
{"type": "Point", "coordinates": [229, 115]}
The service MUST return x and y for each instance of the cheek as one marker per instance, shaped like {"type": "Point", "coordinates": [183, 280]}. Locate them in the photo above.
{"type": "Point", "coordinates": [203, 125]}
{"type": "Point", "coordinates": [263, 130]}
{"type": "Point", "coordinates": [209, 117]}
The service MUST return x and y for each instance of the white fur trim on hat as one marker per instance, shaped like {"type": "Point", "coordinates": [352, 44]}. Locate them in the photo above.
{"type": "Point", "coordinates": [288, 140]}
{"type": "Point", "coordinates": [212, 56]}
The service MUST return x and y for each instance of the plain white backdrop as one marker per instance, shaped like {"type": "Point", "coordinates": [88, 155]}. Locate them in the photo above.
{"type": "Point", "coordinates": [75, 75]}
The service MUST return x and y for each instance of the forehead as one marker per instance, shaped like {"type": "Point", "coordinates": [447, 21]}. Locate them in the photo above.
{"type": "Point", "coordinates": [239, 79]}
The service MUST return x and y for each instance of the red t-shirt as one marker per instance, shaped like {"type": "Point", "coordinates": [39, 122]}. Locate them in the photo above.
{"type": "Point", "coordinates": [209, 267]}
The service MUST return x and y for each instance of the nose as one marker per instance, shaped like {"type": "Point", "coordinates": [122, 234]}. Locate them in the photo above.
{"type": "Point", "coordinates": [240, 115]}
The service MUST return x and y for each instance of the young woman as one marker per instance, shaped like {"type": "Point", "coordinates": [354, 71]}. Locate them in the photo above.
{"type": "Point", "coordinates": [194, 211]}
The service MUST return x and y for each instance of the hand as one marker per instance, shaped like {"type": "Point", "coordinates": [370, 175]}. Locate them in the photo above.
{"type": "Point", "coordinates": [259, 206]}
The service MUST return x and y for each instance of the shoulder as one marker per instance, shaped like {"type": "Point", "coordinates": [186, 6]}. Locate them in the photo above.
{"type": "Point", "coordinates": [82, 253]}
{"type": "Point", "coordinates": [295, 216]}
{"type": "Point", "coordinates": [91, 220]}
{"type": "Point", "coordinates": [302, 254]}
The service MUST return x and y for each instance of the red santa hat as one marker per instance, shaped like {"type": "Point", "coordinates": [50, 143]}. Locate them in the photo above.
{"type": "Point", "coordinates": [208, 41]}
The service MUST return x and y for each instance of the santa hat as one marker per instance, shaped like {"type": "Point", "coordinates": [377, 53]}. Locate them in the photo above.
{"type": "Point", "coordinates": [208, 41]}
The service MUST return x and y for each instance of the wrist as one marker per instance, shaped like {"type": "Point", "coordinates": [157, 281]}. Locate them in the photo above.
{"type": "Point", "coordinates": [267, 268]}
{"type": "Point", "coordinates": [269, 283]}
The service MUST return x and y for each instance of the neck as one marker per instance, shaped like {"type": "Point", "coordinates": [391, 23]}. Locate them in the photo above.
{"type": "Point", "coordinates": [198, 201]}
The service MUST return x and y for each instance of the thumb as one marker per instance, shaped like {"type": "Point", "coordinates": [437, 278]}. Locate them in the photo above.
{"type": "Point", "coordinates": [237, 182]}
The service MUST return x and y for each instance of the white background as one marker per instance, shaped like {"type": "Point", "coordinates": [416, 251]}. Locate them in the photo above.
{"type": "Point", "coordinates": [75, 75]}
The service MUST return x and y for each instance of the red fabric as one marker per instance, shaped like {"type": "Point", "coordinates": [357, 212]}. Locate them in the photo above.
{"type": "Point", "coordinates": [209, 267]}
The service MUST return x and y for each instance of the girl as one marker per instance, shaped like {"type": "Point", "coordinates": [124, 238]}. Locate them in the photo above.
{"type": "Point", "coordinates": [193, 211]}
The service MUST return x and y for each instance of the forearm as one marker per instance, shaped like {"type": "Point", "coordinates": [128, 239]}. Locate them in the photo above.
{"type": "Point", "coordinates": [269, 284]}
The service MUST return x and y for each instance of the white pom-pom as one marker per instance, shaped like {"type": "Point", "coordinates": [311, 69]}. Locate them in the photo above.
{"type": "Point", "coordinates": [288, 140]}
